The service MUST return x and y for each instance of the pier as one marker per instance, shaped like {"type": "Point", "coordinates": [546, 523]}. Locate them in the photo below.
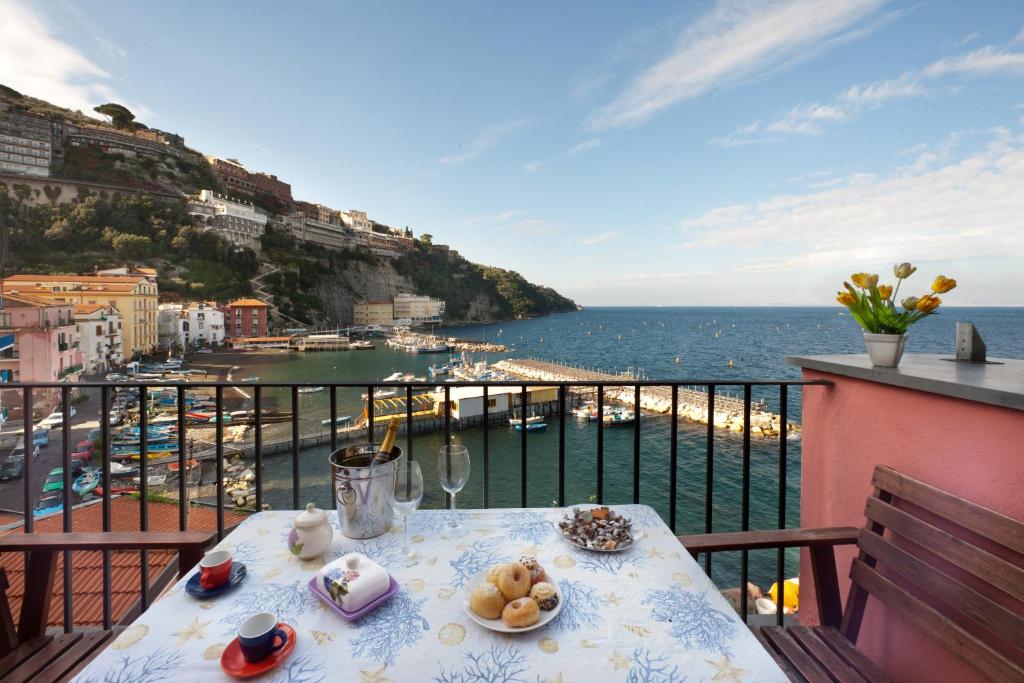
{"type": "Point", "coordinates": [692, 405]}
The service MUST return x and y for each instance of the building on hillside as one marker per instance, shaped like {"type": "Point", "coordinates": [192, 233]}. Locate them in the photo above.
{"type": "Point", "coordinates": [245, 318]}
{"type": "Point", "coordinates": [421, 310]}
{"type": "Point", "coordinates": [236, 179]}
{"type": "Point", "coordinates": [26, 143]}
{"type": "Point", "coordinates": [99, 336]}
{"type": "Point", "coordinates": [189, 326]}
{"type": "Point", "coordinates": [330, 235]}
{"type": "Point", "coordinates": [45, 346]}
{"type": "Point", "coordinates": [373, 312]}
{"type": "Point", "coordinates": [134, 296]}
{"type": "Point", "coordinates": [145, 142]}
{"type": "Point", "coordinates": [357, 220]}
{"type": "Point", "coordinates": [269, 184]}
{"type": "Point", "coordinates": [319, 213]}
{"type": "Point", "coordinates": [240, 223]}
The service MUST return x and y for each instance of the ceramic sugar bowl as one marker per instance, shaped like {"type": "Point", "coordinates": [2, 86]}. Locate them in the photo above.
{"type": "Point", "coordinates": [311, 533]}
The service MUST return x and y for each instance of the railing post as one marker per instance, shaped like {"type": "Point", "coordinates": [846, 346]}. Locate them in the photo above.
{"type": "Point", "coordinates": [561, 445]}
{"type": "Point", "coordinates": [709, 473]}
{"type": "Point", "coordinates": [745, 505]}
{"type": "Point", "coordinates": [144, 489]}
{"type": "Point", "coordinates": [65, 406]}
{"type": "Point", "coordinates": [295, 446]}
{"type": "Point", "coordinates": [487, 462]}
{"type": "Point", "coordinates": [218, 431]}
{"type": "Point", "coordinates": [258, 443]}
{"type": "Point", "coordinates": [673, 458]}
{"type": "Point", "coordinates": [105, 453]}
{"type": "Point", "coordinates": [780, 568]}
{"type": "Point", "coordinates": [600, 443]}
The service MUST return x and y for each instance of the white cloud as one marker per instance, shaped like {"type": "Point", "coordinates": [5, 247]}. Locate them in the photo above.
{"type": "Point", "coordinates": [533, 166]}
{"type": "Point", "coordinates": [500, 217]}
{"type": "Point", "coordinates": [969, 38]}
{"type": "Point", "coordinates": [582, 147]}
{"type": "Point", "coordinates": [488, 138]}
{"type": "Point", "coordinates": [983, 61]}
{"type": "Point", "coordinates": [1019, 38]}
{"type": "Point", "coordinates": [34, 61]}
{"type": "Point", "coordinates": [940, 210]}
{"type": "Point", "coordinates": [732, 42]}
{"type": "Point", "coordinates": [110, 48]}
{"type": "Point", "coordinates": [598, 239]}
{"type": "Point", "coordinates": [879, 92]}
{"type": "Point", "coordinates": [807, 118]}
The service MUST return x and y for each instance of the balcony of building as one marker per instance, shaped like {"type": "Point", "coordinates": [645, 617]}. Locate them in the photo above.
{"type": "Point", "coordinates": [706, 456]}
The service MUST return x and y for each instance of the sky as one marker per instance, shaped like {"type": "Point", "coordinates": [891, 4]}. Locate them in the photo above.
{"type": "Point", "coordinates": [657, 153]}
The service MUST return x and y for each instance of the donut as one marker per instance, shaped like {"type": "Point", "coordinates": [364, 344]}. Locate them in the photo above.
{"type": "Point", "coordinates": [486, 600]}
{"type": "Point", "coordinates": [545, 595]}
{"type": "Point", "coordinates": [492, 574]}
{"type": "Point", "coordinates": [514, 581]}
{"type": "Point", "coordinates": [521, 613]}
{"type": "Point", "coordinates": [536, 571]}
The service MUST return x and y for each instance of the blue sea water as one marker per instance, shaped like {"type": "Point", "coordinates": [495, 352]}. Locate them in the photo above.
{"type": "Point", "coordinates": [644, 340]}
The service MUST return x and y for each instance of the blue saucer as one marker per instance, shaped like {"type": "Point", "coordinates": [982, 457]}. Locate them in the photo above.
{"type": "Point", "coordinates": [197, 591]}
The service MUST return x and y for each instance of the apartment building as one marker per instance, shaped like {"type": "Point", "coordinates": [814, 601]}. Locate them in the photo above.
{"type": "Point", "coordinates": [421, 310]}
{"type": "Point", "coordinates": [245, 318]}
{"type": "Point", "coordinates": [239, 222]}
{"type": "Point", "coordinates": [148, 143]}
{"type": "Point", "coordinates": [133, 294]}
{"type": "Point", "coordinates": [192, 325]}
{"type": "Point", "coordinates": [319, 213]}
{"type": "Point", "coordinates": [26, 145]}
{"type": "Point", "coordinates": [357, 220]}
{"type": "Point", "coordinates": [373, 312]}
{"type": "Point", "coordinates": [99, 336]}
{"type": "Point", "coordinates": [238, 180]}
{"type": "Point", "coordinates": [330, 235]}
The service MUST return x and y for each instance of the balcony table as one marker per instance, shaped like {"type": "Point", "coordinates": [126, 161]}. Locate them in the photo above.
{"type": "Point", "coordinates": [647, 614]}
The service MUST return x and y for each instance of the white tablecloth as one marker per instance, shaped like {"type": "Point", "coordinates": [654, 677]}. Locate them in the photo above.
{"type": "Point", "coordinates": [645, 615]}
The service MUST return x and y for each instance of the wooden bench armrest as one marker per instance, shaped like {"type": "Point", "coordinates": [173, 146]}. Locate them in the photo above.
{"type": "Point", "coordinates": [820, 543]}
{"type": "Point", "coordinates": [770, 538]}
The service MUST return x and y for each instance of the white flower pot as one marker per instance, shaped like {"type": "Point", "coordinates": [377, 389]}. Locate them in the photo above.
{"type": "Point", "coordinates": [885, 350]}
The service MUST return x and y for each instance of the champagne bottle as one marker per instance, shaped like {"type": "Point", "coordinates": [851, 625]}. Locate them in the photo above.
{"type": "Point", "coordinates": [389, 441]}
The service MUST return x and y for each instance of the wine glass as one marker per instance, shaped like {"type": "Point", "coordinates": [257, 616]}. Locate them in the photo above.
{"type": "Point", "coordinates": [453, 471]}
{"type": "Point", "coordinates": [405, 498]}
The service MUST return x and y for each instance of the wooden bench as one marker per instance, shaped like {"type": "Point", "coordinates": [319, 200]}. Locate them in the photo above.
{"type": "Point", "coordinates": [28, 653]}
{"type": "Point", "coordinates": [950, 567]}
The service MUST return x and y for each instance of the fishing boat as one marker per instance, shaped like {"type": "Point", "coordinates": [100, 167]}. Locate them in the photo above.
{"type": "Point", "coordinates": [532, 419]}
{"type": "Point", "coordinates": [86, 482]}
{"type": "Point", "coordinates": [583, 412]}
{"type": "Point", "coordinates": [619, 418]}
{"type": "Point", "coordinates": [255, 378]}
{"type": "Point", "coordinates": [341, 420]}
{"type": "Point", "coordinates": [310, 390]}
{"type": "Point", "coordinates": [118, 471]}
{"type": "Point", "coordinates": [361, 346]}
{"type": "Point", "coordinates": [403, 377]}
{"type": "Point", "coordinates": [381, 393]}
{"type": "Point", "coordinates": [438, 370]}
{"type": "Point", "coordinates": [608, 410]}
{"type": "Point", "coordinates": [531, 426]}
{"type": "Point", "coordinates": [176, 466]}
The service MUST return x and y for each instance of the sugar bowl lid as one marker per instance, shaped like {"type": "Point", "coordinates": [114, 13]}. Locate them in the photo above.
{"type": "Point", "coordinates": [310, 517]}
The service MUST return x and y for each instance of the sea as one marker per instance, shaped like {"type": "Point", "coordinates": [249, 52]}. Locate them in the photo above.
{"type": "Point", "coordinates": [671, 343]}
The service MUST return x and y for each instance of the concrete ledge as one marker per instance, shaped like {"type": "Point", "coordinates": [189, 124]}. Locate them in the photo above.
{"type": "Point", "coordinates": [999, 385]}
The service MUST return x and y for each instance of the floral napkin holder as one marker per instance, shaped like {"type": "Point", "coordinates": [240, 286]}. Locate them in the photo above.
{"type": "Point", "coordinates": [353, 581]}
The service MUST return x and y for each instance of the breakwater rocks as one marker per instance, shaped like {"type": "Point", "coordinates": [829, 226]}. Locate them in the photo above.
{"type": "Point", "coordinates": [692, 405]}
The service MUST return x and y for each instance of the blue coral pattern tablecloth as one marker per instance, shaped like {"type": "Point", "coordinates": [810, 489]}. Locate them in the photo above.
{"type": "Point", "coordinates": [645, 615]}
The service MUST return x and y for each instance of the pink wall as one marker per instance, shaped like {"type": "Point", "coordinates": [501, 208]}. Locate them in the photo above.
{"type": "Point", "coordinates": [971, 449]}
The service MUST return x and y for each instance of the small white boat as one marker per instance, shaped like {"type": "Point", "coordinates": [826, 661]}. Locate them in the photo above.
{"type": "Point", "coordinates": [310, 390]}
{"type": "Point", "coordinates": [382, 393]}
{"type": "Point", "coordinates": [583, 412]}
{"type": "Point", "coordinates": [250, 379]}
{"type": "Point", "coordinates": [361, 345]}
{"type": "Point", "coordinates": [340, 420]}
{"type": "Point", "coordinates": [532, 419]}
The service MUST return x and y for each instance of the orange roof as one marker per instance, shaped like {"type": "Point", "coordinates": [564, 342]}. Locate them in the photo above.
{"type": "Point", "coordinates": [248, 302]}
{"type": "Point", "coordinates": [28, 277]}
{"type": "Point", "coordinates": [42, 290]}
{"type": "Point", "coordinates": [125, 578]}
{"type": "Point", "coordinates": [87, 308]}
{"type": "Point", "coordinates": [19, 299]}
{"type": "Point", "coordinates": [7, 517]}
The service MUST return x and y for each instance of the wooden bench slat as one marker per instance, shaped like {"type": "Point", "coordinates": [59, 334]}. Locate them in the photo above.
{"type": "Point", "coordinates": [22, 652]}
{"type": "Point", "coordinates": [837, 667]}
{"type": "Point", "coordinates": [783, 663]}
{"type": "Point", "coordinates": [85, 649]}
{"type": "Point", "coordinates": [934, 624]}
{"type": "Point", "coordinates": [990, 524]}
{"type": "Point", "coordinates": [982, 564]}
{"type": "Point", "coordinates": [794, 654]}
{"type": "Point", "coordinates": [950, 590]}
{"type": "Point", "coordinates": [28, 669]}
{"type": "Point", "coordinates": [854, 657]}
{"type": "Point", "coordinates": [77, 668]}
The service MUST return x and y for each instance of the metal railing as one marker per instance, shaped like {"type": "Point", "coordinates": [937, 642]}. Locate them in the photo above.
{"type": "Point", "coordinates": [564, 389]}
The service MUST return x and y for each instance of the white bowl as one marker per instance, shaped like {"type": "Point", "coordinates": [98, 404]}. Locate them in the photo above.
{"type": "Point", "coordinates": [546, 616]}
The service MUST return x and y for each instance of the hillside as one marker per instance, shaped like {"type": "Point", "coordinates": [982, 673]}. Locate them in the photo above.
{"type": "Point", "coordinates": [51, 232]}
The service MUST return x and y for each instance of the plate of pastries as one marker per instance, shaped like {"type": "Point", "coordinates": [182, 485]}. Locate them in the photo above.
{"type": "Point", "coordinates": [513, 597]}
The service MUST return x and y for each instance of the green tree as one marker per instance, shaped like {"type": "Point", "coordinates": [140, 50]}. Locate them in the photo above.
{"type": "Point", "coordinates": [132, 246]}
{"type": "Point", "coordinates": [427, 238]}
{"type": "Point", "coordinates": [118, 114]}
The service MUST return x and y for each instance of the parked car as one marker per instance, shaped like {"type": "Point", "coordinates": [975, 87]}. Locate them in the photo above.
{"type": "Point", "coordinates": [54, 480]}
{"type": "Point", "coordinates": [12, 468]}
{"type": "Point", "coordinates": [55, 420]}
{"type": "Point", "coordinates": [41, 436]}
{"type": "Point", "coordinates": [19, 450]}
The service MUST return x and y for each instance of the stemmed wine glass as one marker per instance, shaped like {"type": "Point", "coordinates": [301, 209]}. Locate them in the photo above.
{"type": "Point", "coordinates": [405, 498]}
{"type": "Point", "coordinates": [453, 471]}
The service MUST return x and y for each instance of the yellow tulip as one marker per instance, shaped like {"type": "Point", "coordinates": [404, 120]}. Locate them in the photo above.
{"type": "Point", "coordinates": [845, 298]}
{"type": "Point", "coordinates": [884, 291]}
{"type": "Point", "coordinates": [928, 303]}
{"type": "Point", "coordinates": [910, 303]}
{"type": "Point", "coordinates": [943, 284]}
{"type": "Point", "coordinates": [903, 270]}
{"type": "Point", "coordinates": [864, 280]}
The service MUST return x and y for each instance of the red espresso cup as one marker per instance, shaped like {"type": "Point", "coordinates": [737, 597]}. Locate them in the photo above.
{"type": "Point", "coordinates": [215, 568]}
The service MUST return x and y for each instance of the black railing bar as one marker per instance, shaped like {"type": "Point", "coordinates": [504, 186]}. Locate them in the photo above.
{"type": "Point", "coordinates": [745, 504]}
{"type": "Point", "coordinates": [673, 459]}
{"type": "Point", "coordinates": [709, 474]}
{"type": "Point", "coordinates": [514, 383]}
{"type": "Point", "coordinates": [448, 440]}
{"type": "Point", "coordinates": [258, 443]}
{"type": "Point", "coordinates": [369, 414]}
{"type": "Point", "coordinates": [182, 463]}
{"type": "Point", "coordinates": [334, 421]}
{"type": "Point", "coordinates": [104, 455]}
{"type": "Point", "coordinates": [487, 460]}
{"type": "Point", "coordinates": [408, 424]}
{"type": "Point", "coordinates": [561, 446]}
{"type": "Point", "coordinates": [295, 448]}
{"type": "Point", "coordinates": [523, 398]}
{"type": "Point", "coordinates": [144, 491]}
{"type": "Point", "coordinates": [28, 438]}
{"type": "Point", "coordinates": [65, 406]}
{"type": "Point", "coordinates": [218, 441]}
{"type": "Point", "coordinates": [780, 560]}
{"type": "Point", "coordinates": [636, 445]}
{"type": "Point", "coordinates": [600, 444]}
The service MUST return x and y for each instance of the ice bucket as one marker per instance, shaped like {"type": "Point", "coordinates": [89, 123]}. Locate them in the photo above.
{"type": "Point", "coordinates": [361, 489]}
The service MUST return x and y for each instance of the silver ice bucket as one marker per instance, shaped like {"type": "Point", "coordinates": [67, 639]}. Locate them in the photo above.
{"type": "Point", "coordinates": [361, 490]}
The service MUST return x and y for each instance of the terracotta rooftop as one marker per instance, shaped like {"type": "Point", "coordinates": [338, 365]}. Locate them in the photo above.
{"type": "Point", "coordinates": [19, 299]}
{"type": "Point", "coordinates": [87, 581]}
{"type": "Point", "coordinates": [248, 302]}
{"type": "Point", "coordinates": [87, 308]}
{"type": "Point", "coordinates": [88, 279]}
{"type": "Point", "coordinates": [45, 290]}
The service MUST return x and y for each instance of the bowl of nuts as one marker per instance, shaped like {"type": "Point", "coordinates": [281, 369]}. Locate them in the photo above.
{"type": "Point", "coordinates": [597, 528]}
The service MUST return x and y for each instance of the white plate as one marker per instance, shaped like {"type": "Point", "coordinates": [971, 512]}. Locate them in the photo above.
{"type": "Point", "coordinates": [497, 624]}
{"type": "Point", "coordinates": [568, 514]}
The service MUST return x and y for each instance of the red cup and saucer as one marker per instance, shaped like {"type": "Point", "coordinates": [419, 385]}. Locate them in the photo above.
{"type": "Point", "coordinates": [217, 573]}
{"type": "Point", "coordinates": [262, 643]}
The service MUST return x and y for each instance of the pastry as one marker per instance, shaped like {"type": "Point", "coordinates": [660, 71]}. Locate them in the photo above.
{"type": "Point", "coordinates": [514, 581]}
{"type": "Point", "coordinates": [492, 574]}
{"type": "Point", "coordinates": [521, 613]}
{"type": "Point", "coordinates": [545, 595]}
{"type": "Point", "coordinates": [486, 600]}
{"type": "Point", "coordinates": [536, 571]}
